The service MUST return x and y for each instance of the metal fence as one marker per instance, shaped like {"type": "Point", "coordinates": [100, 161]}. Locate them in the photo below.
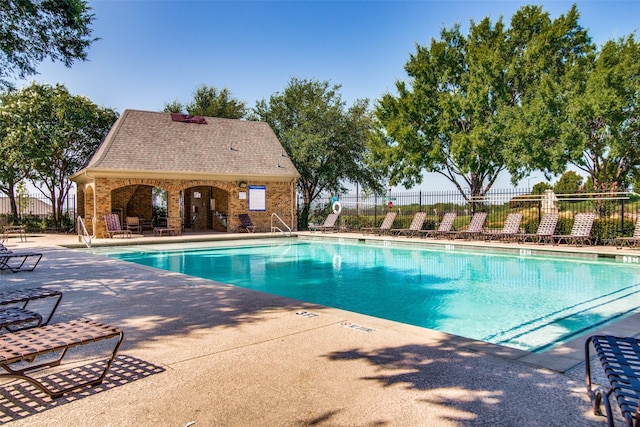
{"type": "Point", "coordinates": [36, 213]}
{"type": "Point", "coordinates": [616, 212]}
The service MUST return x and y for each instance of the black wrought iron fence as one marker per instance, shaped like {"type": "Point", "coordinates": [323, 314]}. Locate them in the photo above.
{"type": "Point", "coordinates": [36, 213]}
{"type": "Point", "coordinates": [616, 213]}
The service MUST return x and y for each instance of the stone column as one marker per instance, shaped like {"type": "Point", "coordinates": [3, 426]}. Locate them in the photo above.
{"type": "Point", "coordinates": [174, 220]}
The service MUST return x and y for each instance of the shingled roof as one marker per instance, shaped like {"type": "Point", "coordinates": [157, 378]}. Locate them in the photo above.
{"type": "Point", "coordinates": [145, 142]}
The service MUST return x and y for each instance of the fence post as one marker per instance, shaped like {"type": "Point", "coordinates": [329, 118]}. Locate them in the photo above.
{"type": "Point", "coordinates": [622, 217]}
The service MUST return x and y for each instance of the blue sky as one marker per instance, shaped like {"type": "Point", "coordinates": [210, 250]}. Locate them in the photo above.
{"type": "Point", "coordinates": [153, 52]}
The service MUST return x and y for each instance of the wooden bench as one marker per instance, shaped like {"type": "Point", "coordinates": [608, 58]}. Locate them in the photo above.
{"type": "Point", "coordinates": [620, 358]}
{"type": "Point", "coordinates": [28, 345]}
{"type": "Point", "coordinates": [14, 311]}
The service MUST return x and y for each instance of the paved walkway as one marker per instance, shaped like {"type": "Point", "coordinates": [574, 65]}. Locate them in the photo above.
{"type": "Point", "coordinates": [201, 353]}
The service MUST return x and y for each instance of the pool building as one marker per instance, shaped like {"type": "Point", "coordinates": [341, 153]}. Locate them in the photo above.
{"type": "Point", "coordinates": [212, 169]}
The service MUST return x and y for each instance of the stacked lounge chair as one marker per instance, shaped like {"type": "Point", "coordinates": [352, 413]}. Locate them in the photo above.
{"type": "Point", "coordinates": [18, 261]}
{"type": "Point", "coordinates": [22, 349]}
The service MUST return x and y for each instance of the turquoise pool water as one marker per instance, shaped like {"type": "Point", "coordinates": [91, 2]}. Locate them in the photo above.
{"type": "Point", "coordinates": [524, 302]}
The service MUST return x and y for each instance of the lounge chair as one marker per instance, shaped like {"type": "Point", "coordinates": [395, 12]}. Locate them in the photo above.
{"type": "Point", "coordinates": [619, 357]}
{"type": "Point", "coordinates": [133, 224]}
{"type": "Point", "coordinates": [580, 232]}
{"type": "Point", "coordinates": [444, 228]}
{"type": "Point", "coordinates": [18, 261]}
{"type": "Point", "coordinates": [414, 227]}
{"type": "Point", "coordinates": [246, 224]}
{"type": "Point", "coordinates": [509, 231]}
{"type": "Point", "coordinates": [621, 242]}
{"type": "Point", "coordinates": [474, 229]}
{"type": "Point", "coordinates": [7, 230]}
{"type": "Point", "coordinates": [385, 227]}
{"type": "Point", "coordinates": [16, 313]}
{"type": "Point", "coordinates": [545, 231]}
{"type": "Point", "coordinates": [26, 347]}
{"type": "Point", "coordinates": [112, 222]}
{"type": "Point", "coordinates": [328, 225]}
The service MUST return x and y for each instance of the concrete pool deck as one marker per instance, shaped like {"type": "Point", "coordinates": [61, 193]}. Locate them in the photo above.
{"type": "Point", "coordinates": [201, 353]}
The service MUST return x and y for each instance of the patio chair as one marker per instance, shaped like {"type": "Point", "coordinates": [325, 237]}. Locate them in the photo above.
{"type": "Point", "coordinates": [246, 224]}
{"type": "Point", "coordinates": [7, 230]}
{"type": "Point", "coordinates": [414, 227]}
{"type": "Point", "coordinates": [328, 225]}
{"type": "Point", "coordinates": [133, 224]}
{"type": "Point", "coordinates": [384, 228]}
{"type": "Point", "coordinates": [545, 231]}
{"type": "Point", "coordinates": [509, 231]}
{"type": "Point", "coordinates": [20, 353]}
{"type": "Point", "coordinates": [112, 222]}
{"type": "Point", "coordinates": [474, 229]}
{"type": "Point", "coordinates": [444, 228]}
{"type": "Point", "coordinates": [18, 261]}
{"type": "Point", "coordinates": [621, 242]}
{"type": "Point", "coordinates": [16, 313]}
{"type": "Point", "coordinates": [580, 232]}
{"type": "Point", "coordinates": [619, 357]}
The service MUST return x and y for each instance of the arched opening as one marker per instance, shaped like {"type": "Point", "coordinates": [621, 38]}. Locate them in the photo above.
{"type": "Point", "coordinates": [205, 208]}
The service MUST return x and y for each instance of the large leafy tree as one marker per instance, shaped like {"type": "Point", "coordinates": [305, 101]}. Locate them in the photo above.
{"type": "Point", "coordinates": [32, 30]}
{"type": "Point", "coordinates": [327, 142]}
{"type": "Point", "coordinates": [453, 114]}
{"type": "Point", "coordinates": [208, 101]}
{"type": "Point", "coordinates": [56, 133]}
{"type": "Point", "coordinates": [13, 162]}
{"type": "Point", "coordinates": [590, 120]}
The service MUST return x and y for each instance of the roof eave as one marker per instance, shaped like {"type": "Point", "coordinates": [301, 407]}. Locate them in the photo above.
{"type": "Point", "coordinates": [90, 173]}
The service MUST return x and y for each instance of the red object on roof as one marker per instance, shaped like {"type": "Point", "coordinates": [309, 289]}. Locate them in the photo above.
{"type": "Point", "coordinates": [185, 118]}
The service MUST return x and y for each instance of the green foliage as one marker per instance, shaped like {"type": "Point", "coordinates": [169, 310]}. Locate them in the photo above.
{"type": "Point", "coordinates": [31, 31]}
{"type": "Point", "coordinates": [569, 183]}
{"type": "Point", "coordinates": [53, 133]}
{"type": "Point", "coordinates": [606, 229]}
{"type": "Point", "coordinates": [327, 142]}
{"type": "Point", "coordinates": [587, 119]}
{"type": "Point", "coordinates": [541, 187]}
{"type": "Point", "coordinates": [564, 226]}
{"type": "Point", "coordinates": [457, 114]}
{"type": "Point", "coordinates": [208, 101]}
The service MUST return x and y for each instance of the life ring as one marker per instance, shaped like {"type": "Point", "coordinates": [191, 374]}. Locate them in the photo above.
{"type": "Point", "coordinates": [337, 208]}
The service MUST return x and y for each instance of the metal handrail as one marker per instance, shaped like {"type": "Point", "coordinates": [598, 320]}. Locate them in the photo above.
{"type": "Point", "coordinates": [275, 228]}
{"type": "Point", "coordinates": [83, 234]}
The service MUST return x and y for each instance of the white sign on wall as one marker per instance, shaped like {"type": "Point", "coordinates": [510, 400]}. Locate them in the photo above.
{"type": "Point", "coordinates": [257, 198]}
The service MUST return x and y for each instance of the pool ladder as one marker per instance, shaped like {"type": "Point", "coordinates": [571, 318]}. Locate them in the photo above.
{"type": "Point", "coordinates": [276, 228]}
{"type": "Point", "coordinates": [83, 234]}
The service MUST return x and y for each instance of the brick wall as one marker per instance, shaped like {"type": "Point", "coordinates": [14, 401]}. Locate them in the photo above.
{"type": "Point", "coordinates": [134, 198]}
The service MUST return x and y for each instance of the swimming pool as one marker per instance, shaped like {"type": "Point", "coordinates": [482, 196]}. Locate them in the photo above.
{"type": "Point", "coordinates": [525, 302]}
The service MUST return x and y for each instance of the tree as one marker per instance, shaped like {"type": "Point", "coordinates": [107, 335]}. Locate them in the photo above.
{"type": "Point", "coordinates": [569, 183]}
{"type": "Point", "coordinates": [207, 101]}
{"type": "Point", "coordinates": [13, 161]}
{"type": "Point", "coordinates": [453, 116]}
{"type": "Point", "coordinates": [32, 30]}
{"type": "Point", "coordinates": [327, 142]}
{"type": "Point", "coordinates": [589, 119]}
{"type": "Point", "coordinates": [58, 133]}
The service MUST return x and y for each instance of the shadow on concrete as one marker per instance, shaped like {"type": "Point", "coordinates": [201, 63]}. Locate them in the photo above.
{"type": "Point", "coordinates": [20, 399]}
